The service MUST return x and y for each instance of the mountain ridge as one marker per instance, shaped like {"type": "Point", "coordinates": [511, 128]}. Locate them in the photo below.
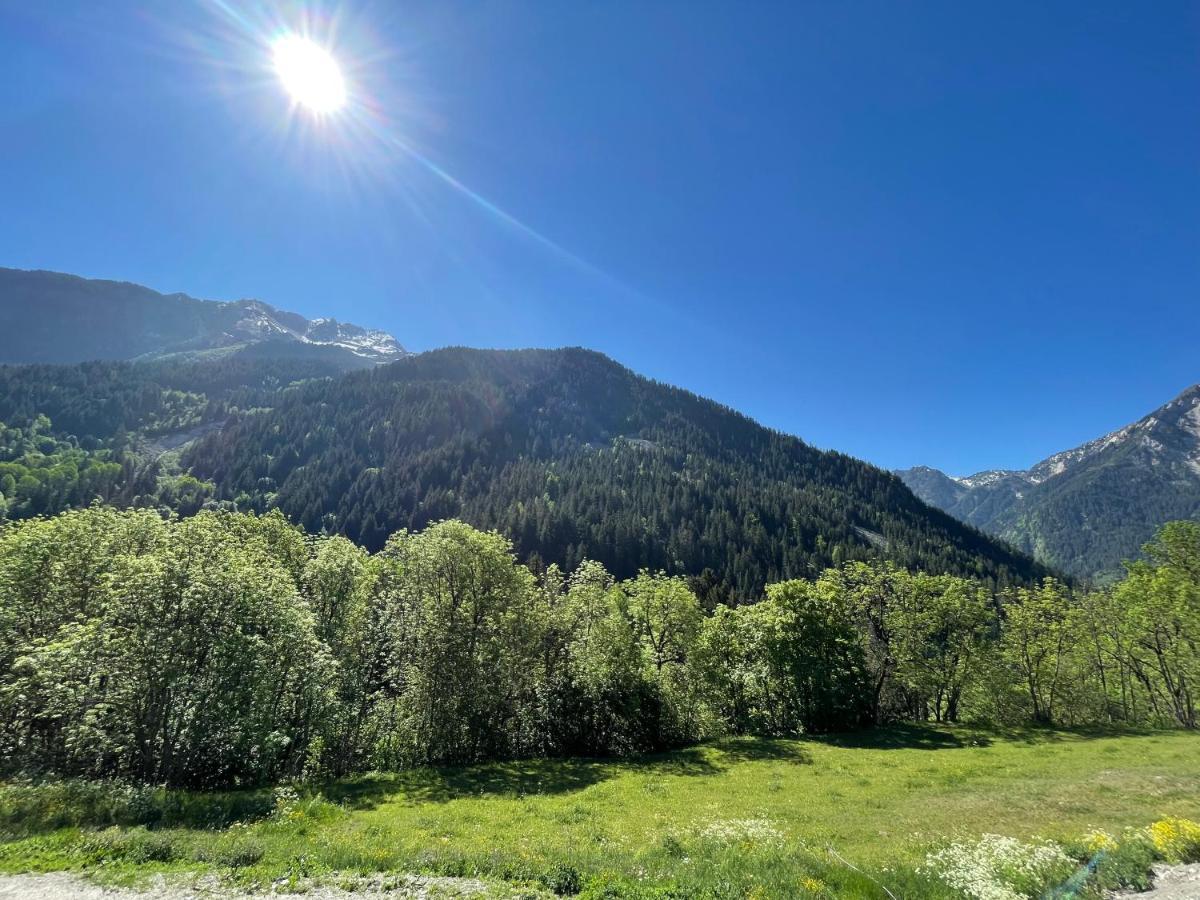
{"type": "Point", "coordinates": [1086, 509]}
{"type": "Point", "coordinates": [567, 451]}
{"type": "Point", "coordinates": [574, 455]}
{"type": "Point", "coordinates": [55, 317]}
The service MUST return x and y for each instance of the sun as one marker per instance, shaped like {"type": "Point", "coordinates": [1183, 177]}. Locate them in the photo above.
{"type": "Point", "coordinates": [310, 73]}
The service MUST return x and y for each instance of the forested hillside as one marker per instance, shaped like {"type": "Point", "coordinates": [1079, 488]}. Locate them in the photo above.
{"type": "Point", "coordinates": [567, 452]}
{"type": "Point", "coordinates": [576, 457]}
{"type": "Point", "coordinates": [110, 432]}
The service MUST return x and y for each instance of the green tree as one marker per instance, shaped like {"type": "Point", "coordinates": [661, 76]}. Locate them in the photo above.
{"type": "Point", "coordinates": [814, 654]}
{"type": "Point", "coordinates": [1161, 597]}
{"type": "Point", "coordinates": [940, 627]}
{"type": "Point", "coordinates": [465, 631]}
{"type": "Point", "coordinates": [1036, 642]}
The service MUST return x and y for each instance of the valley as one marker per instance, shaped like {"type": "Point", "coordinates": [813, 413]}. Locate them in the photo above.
{"type": "Point", "coordinates": [282, 615]}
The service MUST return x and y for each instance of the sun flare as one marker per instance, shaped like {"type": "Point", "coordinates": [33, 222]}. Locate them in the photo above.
{"type": "Point", "coordinates": [310, 73]}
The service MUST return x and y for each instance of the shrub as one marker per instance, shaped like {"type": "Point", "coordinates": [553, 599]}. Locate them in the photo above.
{"type": "Point", "coordinates": [136, 845]}
{"type": "Point", "coordinates": [1128, 865]}
{"type": "Point", "coordinates": [563, 879]}
{"type": "Point", "coordinates": [236, 848]}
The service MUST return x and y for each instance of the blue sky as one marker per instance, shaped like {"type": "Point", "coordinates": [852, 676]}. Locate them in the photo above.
{"type": "Point", "coordinates": [965, 235]}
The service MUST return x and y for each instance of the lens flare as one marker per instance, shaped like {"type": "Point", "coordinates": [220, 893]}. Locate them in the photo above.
{"type": "Point", "coordinates": [310, 74]}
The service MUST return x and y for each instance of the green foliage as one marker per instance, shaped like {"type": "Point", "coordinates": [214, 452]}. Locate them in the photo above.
{"type": "Point", "coordinates": [229, 648]}
{"type": "Point", "coordinates": [1127, 866]}
{"type": "Point", "coordinates": [461, 633]}
{"type": "Point", "coordinates": [1160, 600]}
{"type": "Point", "coordinates": [41, 474]}
{"type": "Point", "coordinates": [167, 652]}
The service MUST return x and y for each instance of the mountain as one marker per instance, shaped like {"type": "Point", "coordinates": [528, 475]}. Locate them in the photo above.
{"type": "Point", "coordinates": [575, 456]}
{"type": "Point", "coordinates": [184, 403]}
{"type": "Point", "coordinates": [1085, 510]}
{"type": "Point", "coordinates": [570, 454]}
{"type": "Point", "coordinates": [49, 317]}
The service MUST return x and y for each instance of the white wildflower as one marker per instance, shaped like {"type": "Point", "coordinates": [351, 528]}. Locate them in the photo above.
{"type": "Point", "coordinates": [742, 831]}
{"type": "Point", "coordinates": [1000, 868]}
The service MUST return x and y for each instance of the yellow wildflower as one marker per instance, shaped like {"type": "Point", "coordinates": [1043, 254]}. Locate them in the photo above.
{"type": "Point", "coordinates": [1176, 840]}
{"type": "Point", "coordinates": [1097, 841]}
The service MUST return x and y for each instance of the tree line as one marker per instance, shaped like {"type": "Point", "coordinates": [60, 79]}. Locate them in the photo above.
{"type": "Point", "coordinates": [232, 649]}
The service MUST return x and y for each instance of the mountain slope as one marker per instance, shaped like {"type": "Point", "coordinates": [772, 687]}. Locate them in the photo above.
{"type": "Point", "coordinates": [567, 452]}
{"type": "Point", "coordinates": [48, 317]}
{"type": "Point", "coordinates": [1086, 510]}
{"type": "Point", "coordinates": [576, 457]}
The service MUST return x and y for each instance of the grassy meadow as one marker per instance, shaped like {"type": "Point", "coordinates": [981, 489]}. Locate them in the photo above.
{"type": "Point", "coordinates": [839, 816]}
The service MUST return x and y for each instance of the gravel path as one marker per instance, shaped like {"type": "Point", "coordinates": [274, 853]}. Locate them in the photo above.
{"type": "Point", "coordinates": [67, 886]}
{"type": "Point", "coordinates": [1172, 883]}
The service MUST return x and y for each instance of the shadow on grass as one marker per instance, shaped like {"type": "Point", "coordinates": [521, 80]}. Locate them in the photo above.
{"type": "Point", "coordinates": [918, 736]}
{"type": "Point", "coordinates": [35, 808]}
{"type": "Point", "coordinates": [761, 749]}
{"type": "Point", "coordinates": [905, 737]}
{"type": "Point", "coordinates": [31, 809]}
{"type": "Point", "coordinates": [516, 778]}
{"type": "Point", "coordinates": [534, 777]}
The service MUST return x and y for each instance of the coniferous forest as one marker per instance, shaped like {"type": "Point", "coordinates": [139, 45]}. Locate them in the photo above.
{"type": "Point", "coordinates": [570, 455]}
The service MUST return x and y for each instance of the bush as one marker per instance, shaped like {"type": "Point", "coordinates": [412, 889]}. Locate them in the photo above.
{"type": "Point", "coordinates": [135, 845]}
{"type": "Point", "coordinates": [563, 879]}
{"type": "Point", "coordinates": [1128, 866]}
{"type": "Point", "coordinates": [28, 808]}
{"type": "Point", "coordinates": [237, 851]}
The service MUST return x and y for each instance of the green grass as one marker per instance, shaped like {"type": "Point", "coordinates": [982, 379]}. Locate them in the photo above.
{"type": "Point", "coordinates": [736, 818]}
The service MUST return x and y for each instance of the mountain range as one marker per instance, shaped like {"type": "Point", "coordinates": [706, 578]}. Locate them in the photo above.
{"type": "Point", "coordinates": [566, 451]}
{"type": "Point", "coordinates": [1086, 510]}
{"type": "Point", "coordinates": [570, 454]}
{"type": "Point", "coordinates": [50, 317]}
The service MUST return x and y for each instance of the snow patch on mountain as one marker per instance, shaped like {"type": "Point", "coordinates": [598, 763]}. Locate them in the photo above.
{"type": "Point", "coordinates": [262, 322]}
{"type": "Point", "coordinates": [990, 477]}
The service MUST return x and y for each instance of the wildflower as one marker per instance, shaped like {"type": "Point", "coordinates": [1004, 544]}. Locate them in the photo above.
{"type": "Point", "coordinates": [999, 868]}
{"type": "Point", "coordinates": [743, 831]}
{"type": "Point", "coordinates": [1099, 841]}
{"type": "Point", "coordinates": [287, 804]}
{"type": "Point", "coordinates": [1176, 840]}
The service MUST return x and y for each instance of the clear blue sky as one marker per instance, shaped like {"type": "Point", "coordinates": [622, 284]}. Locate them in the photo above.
{"type": "Point", "coordinates": [959, 234]}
